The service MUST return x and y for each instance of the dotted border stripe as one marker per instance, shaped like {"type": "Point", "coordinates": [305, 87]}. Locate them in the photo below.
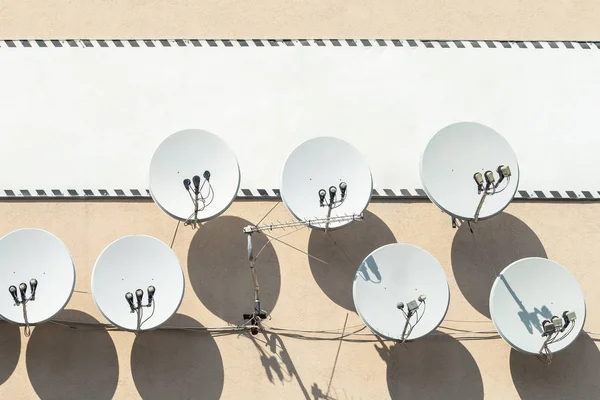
{"type": "Point", "coordinates": [24, 194]}
{"type": "Point", "coordinates": [430, 44]}
{"type": "Point", "coordinates": [73, 193]}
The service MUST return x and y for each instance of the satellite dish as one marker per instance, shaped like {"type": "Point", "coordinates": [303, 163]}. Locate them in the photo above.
{"type": "Point", "coordinates": [449, 164]}
{"type": "Point", "coordinates": [334, 167]}
{"type": "Point", "coordinates": [194, 167]}
{"type": "Point", "coordinates": [38, 267]}
{"type": "Point", "coordinates": [133, 263]}
{"type": "Point", "coordinates": [529, 292]}
{"type": "Point", "coordinates": [391, 282]}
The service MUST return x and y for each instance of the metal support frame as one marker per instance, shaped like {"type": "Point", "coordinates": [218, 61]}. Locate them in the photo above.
{"type": "Point", "coordinates": [258, 314]}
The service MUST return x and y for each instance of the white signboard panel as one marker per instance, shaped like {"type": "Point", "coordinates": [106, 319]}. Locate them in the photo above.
{"type": "Point", "coordinates": [91, 117]}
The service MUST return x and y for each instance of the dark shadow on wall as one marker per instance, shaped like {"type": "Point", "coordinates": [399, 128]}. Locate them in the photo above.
{"type": "Point", "coordinates": [219, 272]}
{"type": "Point", "coordinates": [78, 362]}
{"type": "Point", "coordinates": [177, 364]}
{"type": "Point", "coordinates": [343, 250]}
{"type": "Point", "coordinates": [10, 349]}
{"type": "Point", "coordinates": [478, 257]}
{"type": "Point", "coordinates": [435, 367]}
{"type": "Point", "coordinates": [318, 394]}
{"type": "Point", "coordinates": [277, 361]}
{"type": "Point", "coordinates": [573, 374]}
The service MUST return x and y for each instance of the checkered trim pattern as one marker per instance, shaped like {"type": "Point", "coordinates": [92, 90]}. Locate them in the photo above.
{"type": "Point", "coordinates": [432, 44]}
{"type": "Point", "coordinates": [8, 194]}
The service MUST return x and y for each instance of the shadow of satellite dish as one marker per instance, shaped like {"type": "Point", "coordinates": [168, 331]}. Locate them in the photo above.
{"type": "Point", "coordinates": [574, 373]}
{"type": "Point", "coordinates": [344, 250]}
{"type": "Point", "coordinates": [66, 363]}
{"type": "Point", "coordinates": [496, 243]}
{"type": "Point", "coordinates": [177, 364]}
{"type": "Point", "coordinates": [435, 367]}
{"type": "Point", "coordinates": [10, 349]}
{"type": "Point", "coordinates": [219, 273]}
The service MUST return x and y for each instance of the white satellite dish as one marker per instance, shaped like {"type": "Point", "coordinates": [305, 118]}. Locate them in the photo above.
{"type": "Point", "coordinates": [526, 293]}
{"type": "Point", "coordinates": [320, 164]}
{"type": "Point", "coordinates": [452, 158]}
{"type": "Point", "coordinates": [401, 273]}
{"type": "Point", "coordinates": [187, 154]}
{"type": "Point", "coordinates": [40, 262]}
{"type": "Point", "coordinates": [137, 262]}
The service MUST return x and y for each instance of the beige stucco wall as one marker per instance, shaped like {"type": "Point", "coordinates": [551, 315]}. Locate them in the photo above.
{"type": "Point", "coordinates": [426, 19]}
{"type": "Point", "coordinates": [57, 362]}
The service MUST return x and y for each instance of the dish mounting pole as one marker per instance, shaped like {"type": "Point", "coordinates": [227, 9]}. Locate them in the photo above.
{"type": "Point", "coordinates": [258, 314]}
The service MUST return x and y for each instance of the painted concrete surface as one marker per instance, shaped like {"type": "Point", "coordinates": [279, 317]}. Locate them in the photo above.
{"type": "Point", "coordinates": [58, 362]}
{"type": "Point", "coordinates": [462, 19]}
